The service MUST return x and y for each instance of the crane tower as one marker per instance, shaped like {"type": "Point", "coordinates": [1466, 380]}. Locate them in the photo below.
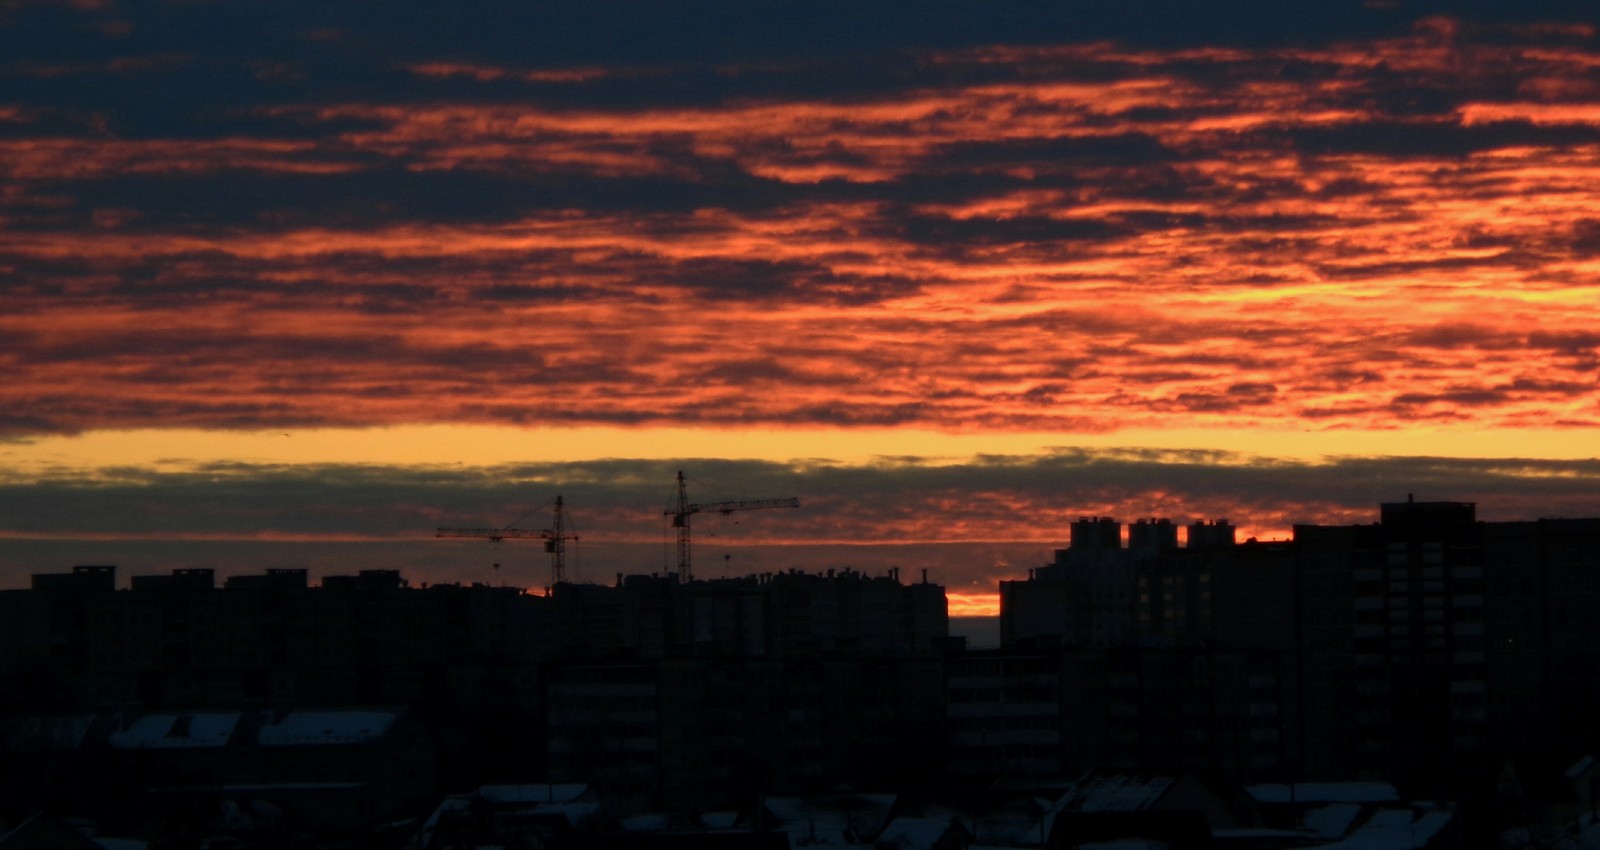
{"type": "Point", "coordinates": [683, 510]}
{"type": "Point", "coordinates": [555, 540]}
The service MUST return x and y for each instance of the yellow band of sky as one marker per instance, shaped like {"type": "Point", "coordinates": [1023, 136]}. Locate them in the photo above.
{"type": "Point", "coordinates": [475, 445]}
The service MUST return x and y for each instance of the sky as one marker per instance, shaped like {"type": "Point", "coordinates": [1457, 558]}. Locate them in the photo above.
{"type": "Point", "coordinates": [292, 284]}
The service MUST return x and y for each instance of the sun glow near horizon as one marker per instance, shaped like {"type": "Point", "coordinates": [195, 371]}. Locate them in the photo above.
{"type": "Point", "coordinates": [973, 604]}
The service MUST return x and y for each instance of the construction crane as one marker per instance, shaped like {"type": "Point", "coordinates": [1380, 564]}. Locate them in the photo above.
{"type": "Point", "coordinates": [680, 518]}
{"type": "Point", "coordinates": [555, 540]}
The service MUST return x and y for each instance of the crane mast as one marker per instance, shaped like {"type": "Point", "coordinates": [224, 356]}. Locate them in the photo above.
{"type": "Point", "coordinates": [555, 540]}
{"type": "Point", "coordinates": [683, 510]}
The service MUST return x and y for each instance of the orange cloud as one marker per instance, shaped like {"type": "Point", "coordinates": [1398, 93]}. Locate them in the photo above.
{"type": "Point", "coordinates": [1071, 238]}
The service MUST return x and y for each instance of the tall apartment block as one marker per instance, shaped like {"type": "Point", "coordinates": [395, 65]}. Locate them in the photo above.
{"type": "Point", "coordinates": [1426, 648]}
{"type": "Point", "coordinates": [1437, 645]}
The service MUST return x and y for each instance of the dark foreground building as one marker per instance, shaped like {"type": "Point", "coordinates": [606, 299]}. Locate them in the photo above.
{"type": "Point", "coordinates": [1428, 648]}
{"type": "Point", "coordinates": [657, 692]}
{"type": "Point", "coordinates": [1438, 647]}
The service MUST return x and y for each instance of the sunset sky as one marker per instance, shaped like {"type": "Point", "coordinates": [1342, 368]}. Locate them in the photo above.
{"type": "Point", "coordinates": [290, 284]}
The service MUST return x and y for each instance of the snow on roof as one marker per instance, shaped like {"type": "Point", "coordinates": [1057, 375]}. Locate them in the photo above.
{"type": "Point", "coordinates": [654, 822]}
{"type": "Point", "coordinates": [838, 820]}
{"type": "Point", "coordinates": [574, 813]}
{"type": "Point", "coordinates": [37, 734]}
{"type": "Point", "coordinates": [265, 787]}
{"type": "Point", "coordinates": [663, 822]}
{"type": "Point", "coordinates": [1260, 834]}
{"type": "Point", "coordinates": [1014, 828]}
{"type": "Point", "coordinates": [1324, 792]}
{"type": "Point", "coordinates": [534, 792]}
{"type": "Point", "coordinates": [450, 805]}
{"type": "Point", "coordinates": [175, 731]}
{"type": "Point", "coordinates": [1116, 793]}
{"type": "Point", "coordinates": [1394, 829]}
{"type": "Point", "coordinates": [1331, 821]}
{"type": "Point", "coordinates": [325, 727]}
{"type": "Point", "coordinates": [1578, 767]}
{"type": "Point", "coordinates": [543, 799]}
{"type": "Point", "coordinates": [914, 833]}
{"type": "Point", "coordinates": [456, 805]}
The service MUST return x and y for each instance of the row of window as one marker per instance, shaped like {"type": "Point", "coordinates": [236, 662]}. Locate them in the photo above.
{"type": "Point", "coordinates": [1049, 723]}
{"type": "Point", "coordinates": [1005, 695]}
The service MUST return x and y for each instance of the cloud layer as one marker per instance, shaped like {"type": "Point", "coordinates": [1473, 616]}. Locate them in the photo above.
{"type": "Point", "coordinates": [959, 217]}
{"type": "Point", "coordinates": [970, 523]}
{"type": "Point", "coordinates": [1078, 225]}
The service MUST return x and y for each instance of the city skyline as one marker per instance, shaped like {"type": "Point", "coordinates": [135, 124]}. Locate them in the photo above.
{"type": "Point", "coordinates": [292, 286]}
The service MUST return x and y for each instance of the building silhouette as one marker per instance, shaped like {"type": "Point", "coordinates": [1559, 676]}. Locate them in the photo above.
{"type": "Point", "coordinates": [1427, 649]}
{"type": "Point", "coordinates": [653, 690]}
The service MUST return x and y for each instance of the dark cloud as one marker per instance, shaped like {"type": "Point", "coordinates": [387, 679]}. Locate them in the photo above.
{"type": "Point", "coordinates": [1586, 237]}
{"type": "Point", "coordinates": [1236, 397]}
{"type": "Point", "coordinates": [1462, 397]}
{"type": "Point", "coordinates": [576, 33]}
{"type": "Point", "coordinates": [1402, 268]}
{"type": "Point", "coordinates": [155, 69]}
{"type": "Point", "coordinates": [1437, 138]}
{"type": "Point", "coordinates": [952, 234]}
{"type": "Point", "coordinates": [1466, 335]}
{"type": "Point", "coordinates": [1578, 343]}
{"type": "Point", "coordinates": [727, 279]}
{"type": "Point", "coordinates": [952, 215]}
{"type": "Point", "coordinates": [760, 371]}
{"type": "Point", "coordinates": [1063, 153]}
{"type": "Point", "coordinates": [207, 498]}
{"type": "Point", "coordinates": [909, 503]}
{"type": "Point", "coordinates": [374, 193]}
